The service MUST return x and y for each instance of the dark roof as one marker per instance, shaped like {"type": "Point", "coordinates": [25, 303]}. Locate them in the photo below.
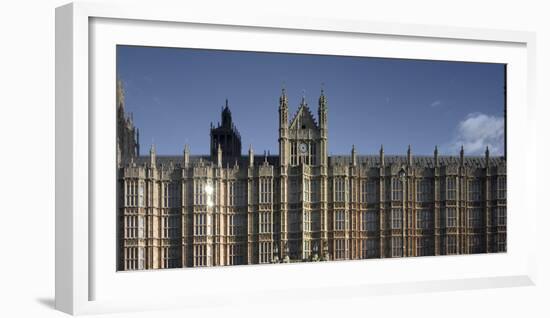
{"type": "Point", "coordinates": [422, 161]}
{"type": "Point", "coordinates": [365, 160]}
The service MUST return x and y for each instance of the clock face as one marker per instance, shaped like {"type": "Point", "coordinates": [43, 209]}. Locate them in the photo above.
{"type": "Point", "coordinates": [303, 148]}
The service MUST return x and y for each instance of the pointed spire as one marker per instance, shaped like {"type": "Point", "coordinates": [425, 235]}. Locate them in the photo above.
{"type": "Point", "coordinates": [382, 155]}
{"type": "Point", "coordinates": [409, 155]}
{"type": "Point", "coordinates": [436, 156]}
{"type": "Point", "coordinates": [137, 142]}
{"type": "Point", "coordinates": [322, 110]}
{"type": "Point", "coordinates": [462, 155]}
{"type": "Point", "coordinates": [322, 98]}
{"type": "Point", "coordinates": [153, 155]}
{"type": "Point", "coordinates": [283, 100]}
{"type": "Point", "coordinates": [353, 156]}
{"type": "Point", "coordinates": [303, 102]}
{"type": "Point", "coordinates": [250, 156]}
{"type": "Point", "coordinates": [487, 157]}
{"type": "Point", "coordinates": [265, 156]}
{"type": "Point", "coordinates": [186, 156]}
{"type": "Point", "coordinates": [219, 155]}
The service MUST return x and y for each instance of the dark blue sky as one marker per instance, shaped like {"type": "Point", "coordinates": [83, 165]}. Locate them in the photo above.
{"type": "Point", "coordinates": [174, 94]}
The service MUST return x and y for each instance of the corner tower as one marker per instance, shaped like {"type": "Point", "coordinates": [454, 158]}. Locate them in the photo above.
{"type": "Point", "coordinates": [225, 136]}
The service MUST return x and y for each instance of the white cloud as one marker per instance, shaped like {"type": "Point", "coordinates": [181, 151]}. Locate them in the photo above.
{"type": "Point", "coordinates": [435, 103]}
{"type": "Point", "coordinates": [477, 131]}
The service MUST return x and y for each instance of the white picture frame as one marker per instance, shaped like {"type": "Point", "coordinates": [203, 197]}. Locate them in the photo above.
{"type": "Point", "coordinates": [83, 286]}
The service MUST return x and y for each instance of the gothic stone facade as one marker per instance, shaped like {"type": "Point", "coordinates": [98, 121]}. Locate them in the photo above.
{"type": "Point", "coordinates": [303, 205]}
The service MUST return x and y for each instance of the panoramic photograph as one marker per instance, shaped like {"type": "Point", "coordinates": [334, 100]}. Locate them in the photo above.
{"type": "Point", "coordinates": [247, 158]}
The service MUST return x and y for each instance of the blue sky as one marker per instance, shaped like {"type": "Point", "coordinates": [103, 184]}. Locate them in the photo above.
{"type": "Point", "coordinates": [174, 95]}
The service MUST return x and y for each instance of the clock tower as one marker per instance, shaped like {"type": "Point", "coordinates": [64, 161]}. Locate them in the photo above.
{"type": "Point", "coordinates": [303, 169]}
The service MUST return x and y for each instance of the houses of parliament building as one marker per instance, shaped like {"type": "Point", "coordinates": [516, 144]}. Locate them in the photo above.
{"type": "Point", "coordinates": [226, 208]}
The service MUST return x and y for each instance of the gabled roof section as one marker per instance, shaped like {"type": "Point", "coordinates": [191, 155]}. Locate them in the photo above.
{"type": "Point", "coordinates": [303, 118]}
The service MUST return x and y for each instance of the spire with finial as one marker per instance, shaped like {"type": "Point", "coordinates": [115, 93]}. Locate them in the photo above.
{"type": "Point", "coordinates": [186, 156]}
{"type": "Point", "coordinates": [322, 98]}
{"type": "Point", "coordinates": [462, 155]}
{"type": "Point", "coordinates": [487, 156]}
{"type": "Point", "coordinates": [382, 155]}
{"type": "Point", "coordinates": [250, 156]}
{"type": "Point", "coordinates": [219, 156]}
{"type": "Point", "coordinates": [137, 142]}
{"type": "Point", "coordinates": [283, 110]}
{"type": "Point", "coordinates": [322, 111]}
{"type": "Point", "coordinates": [353, 156]}
{"type": "Point", "coordinates": [153, 155]}
{"type": "Point", "coordinates": [409, 155]}
{"type": "Point", "coordinates": [303, 102]}
{"type": "Point", "coordinates": [436, 156]}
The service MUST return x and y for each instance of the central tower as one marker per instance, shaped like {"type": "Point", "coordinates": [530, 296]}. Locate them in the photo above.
{"type": "Point", "coordinates": [303, 169]}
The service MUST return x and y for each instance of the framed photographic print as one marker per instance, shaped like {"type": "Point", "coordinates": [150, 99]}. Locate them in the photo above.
{"type": "Point", "coordinates": [233, 155]}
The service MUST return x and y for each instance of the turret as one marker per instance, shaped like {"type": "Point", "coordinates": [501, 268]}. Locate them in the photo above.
{"type": "Point", "coordinates": [250, 156]}
{"type": "Point", "coordinates": [436, 157]}
{"type": "Point", "coordinates": [219, 156]}
{"type": "Point", "coordinates": [284, 146]}
{"type": "Point", "coordinates": [322, 110]}
{"type": "Point", "coordinates": [227, 122]}
{"type": "Point", "coordinates": [382, 155]}
{"type": "Point", "coordinates": [323, 126]}
{"type": "Point", "coordinates": [487, 157]}
{"type": "Point", "coordinates": [353, 156]}
{"type": "Point", "coordinates": [186, 156]}
{"type": "Point", "coordinates": [462, 155]}
{"type": "Point", "coordinates": [137, 142]}
{"type": "Point", "coordinates": [153, 155]}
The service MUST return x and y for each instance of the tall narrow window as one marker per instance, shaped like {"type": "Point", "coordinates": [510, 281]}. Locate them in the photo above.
{"type": "Point", "coordinates": [265, 222]}
{"type": "Point", "coordinates": [451, 188]}
{"type": "Point", "coordinates": [369, 221]}
{"type": "Point", "coordinates": [397, 218]}
{"type": "Point", "coordinates": [396, 190]}
{"type": "Point", "coordinates": [499, 215]}
{"type": "Point", "coordinates": [307, 221]}
{"type": "Point", "coordinates": [372, 248]}
{"type": "Point", "coordinates": [141, 201]}
{"type": "Point", "coordinates": [501, 242]}
{"type": "Point", "coordinates": [313, 153]}
{"type": "Point", "coordinates": [200, 195]}
{"type": "Point", "coordinates": [293, 154]}
{"type": "Point", "coordinates": [200, 255]}
{"type": "Point", "coordinates": [141, 226]}
{"type": "Point", "coordinates": [265, 252]}
{"type": "Point", "coordinates": [266, 190]}
{"type": "Point", "coordinates": [141, 258]}
{"type": "Point", "coordinates": [165, 195]}
{"type": "Point", "coordinates": [424, 219]}
{"type": "Point", "coordinates": [200, 224]}
{"type": "Point", "coordinates": [424, 190]}
{"type": "Point", "coordinates": [314, 188]}
{"type": "Point", "coordinates": [451, 217]}
{"type": "Point", "coordinates": [339, 189]}
{"type": "Point", "coordinates": [475, 243]}
{"type": "Point", "coordinates": [424, 246]}
{"type": "Point", "coordinates": [475, 218]}
{"type": "Point", "coordinates": [451, 244]}
{"type": "Point", "coordinates": [340, 220]}
{"type": "Point", "coordinates": [474, 190]}
{"type": "Point", "coordinates": [397, 246]}
{"type": "Point", "coordinates": [307, 191]}
{"type": "Point", "coordinates": [339, 248]}
{"type": "Point", "coordinates": [501, 188]}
